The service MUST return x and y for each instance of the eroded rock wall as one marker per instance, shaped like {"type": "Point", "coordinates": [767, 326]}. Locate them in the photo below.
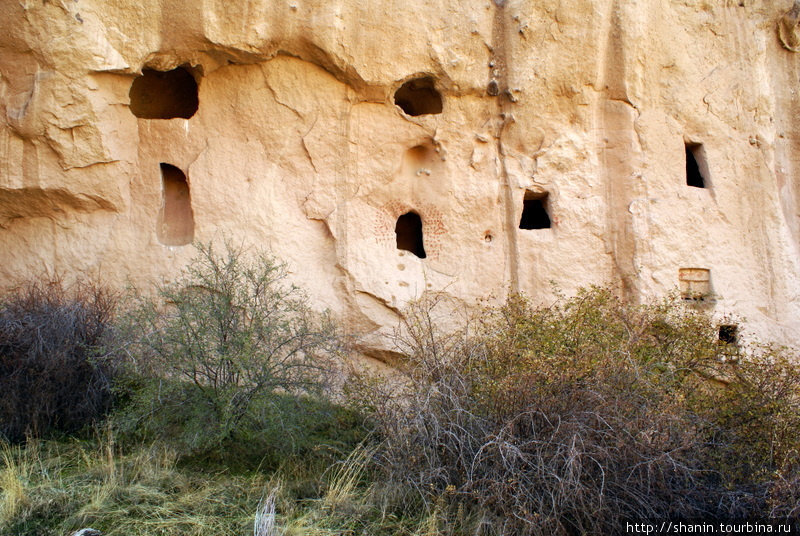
{"type": "Point", "coordinates": [585, 109]}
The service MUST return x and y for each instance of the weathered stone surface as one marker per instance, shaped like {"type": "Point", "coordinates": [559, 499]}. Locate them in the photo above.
{"type": "Point", "coordinates": [298, 145]}
{"type": "Point", "coordinates": [87, 532]}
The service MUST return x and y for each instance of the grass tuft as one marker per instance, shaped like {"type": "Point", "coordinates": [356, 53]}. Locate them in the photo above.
{"type": "Point", "coordinates": [12, 483]}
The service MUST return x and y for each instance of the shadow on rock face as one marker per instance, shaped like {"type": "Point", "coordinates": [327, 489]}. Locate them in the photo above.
{"type": "Point", "coordinates": [788, 28]}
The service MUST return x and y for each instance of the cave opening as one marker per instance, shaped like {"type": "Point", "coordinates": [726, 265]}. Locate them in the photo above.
{"type": "Point", "coordinates": [419, 97]}
{"type": "Point", "coordinates": [164, 94]}
{"type": "Point", "coordinates": [176, 218]}
{"type": "Point", "coordinates": [534, 211]}
{"type": "Point", "coordinates": [409, 234]}
{"type": "Point", "coordinates": [729, 334]}
{"type": "Point", "coordinates": [696, 168]}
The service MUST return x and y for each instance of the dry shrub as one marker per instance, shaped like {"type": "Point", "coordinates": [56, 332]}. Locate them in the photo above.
{"type": "Point", "coordinates": [55, 373]}
{"type": "Point", "coordinates": [574, 418]}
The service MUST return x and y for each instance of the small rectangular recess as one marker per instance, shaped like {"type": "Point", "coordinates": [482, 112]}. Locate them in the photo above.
{"type": "Point", "coordinates": [694, 283]}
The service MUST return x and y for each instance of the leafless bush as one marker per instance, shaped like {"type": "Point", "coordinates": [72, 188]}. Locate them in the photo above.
{"type": "Point", "coordinates": [54, 372]}
{"type": "Point", "coordinates": [574, 418]}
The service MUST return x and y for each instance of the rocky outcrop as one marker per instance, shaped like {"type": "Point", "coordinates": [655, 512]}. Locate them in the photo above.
{"type": "Point", "coordinates": [385, 150]}
{"type": "Point", "coordinates": [87, 532]}
{"type": "Point", "coordinates": [787, 28]}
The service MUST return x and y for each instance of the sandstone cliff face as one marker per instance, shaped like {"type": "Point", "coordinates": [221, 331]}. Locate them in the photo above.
{"type": "Point", "coordinates": [130, 129]}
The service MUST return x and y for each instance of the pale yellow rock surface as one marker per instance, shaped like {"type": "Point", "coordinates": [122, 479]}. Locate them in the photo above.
{"type": "Point", "coordinates": [297, 146]}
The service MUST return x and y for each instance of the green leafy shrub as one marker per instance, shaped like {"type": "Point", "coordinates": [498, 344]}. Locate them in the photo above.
{"type": "Point", "coordinates": [216, 346]}
{"type": "Point", "coordinates": [55, 364]}
{"type": "Point", "coordinates": [573, 418]}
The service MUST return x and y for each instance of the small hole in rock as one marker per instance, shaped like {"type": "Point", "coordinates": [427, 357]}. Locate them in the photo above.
{"type": "Point", "coordinates": [164, 94]}
{"type": "Point", "coordinates": [419, 97]}
{"type": "Point", "coordinates": [729, 334]}
{"type": "Point", "coordinates": [419, 154]}
{"type": "Point", "coordinates": [696, 166]}
{"type": "Point", "coordinates": [534, 211]}
{"type": "Point", "coordinates": [409, 234]}
{"type": "Point", "coordinates": [175, 219]}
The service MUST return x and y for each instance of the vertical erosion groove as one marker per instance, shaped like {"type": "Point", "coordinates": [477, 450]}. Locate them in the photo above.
{"type": "Point", "coordinates": [497, 88]}
{"type": "Point", "coordinates": [617, 138]}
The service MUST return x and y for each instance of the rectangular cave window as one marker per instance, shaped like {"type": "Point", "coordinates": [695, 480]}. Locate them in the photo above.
{"type": "Point", "coordinates": [695, 283]}
{"type": "Point", "coordinates": [729, 334]}
{"type": "Point", "coordinates": [534, 211]}
{"type": "Point", "coordinates": [175, 219]}
{"type": "Point", "coordinates": [729, 342]}
{"type": "Point", "coordinates": [696, 166]}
